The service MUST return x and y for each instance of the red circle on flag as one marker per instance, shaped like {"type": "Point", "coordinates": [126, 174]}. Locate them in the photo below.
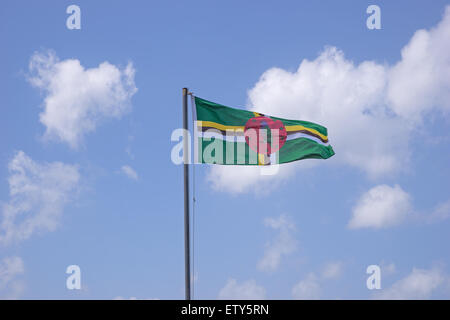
{"type": "Point", "coordinates": [260, 141]}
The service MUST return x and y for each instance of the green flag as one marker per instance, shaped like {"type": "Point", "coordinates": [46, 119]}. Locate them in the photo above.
{"type": "Point", "coordinates": [230, 136]}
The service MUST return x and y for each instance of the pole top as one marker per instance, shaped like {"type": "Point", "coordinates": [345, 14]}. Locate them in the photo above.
{"type": "Point", "coordinates": [187, 92]}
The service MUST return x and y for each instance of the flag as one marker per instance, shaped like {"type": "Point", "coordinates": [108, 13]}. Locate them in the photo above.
{"type": "Point", "coordinates": [230, 136]}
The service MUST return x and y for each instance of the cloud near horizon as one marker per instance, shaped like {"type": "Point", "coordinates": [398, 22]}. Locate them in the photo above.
{"type": "Point", "coordinates": [419, 284]}
{"type": "Point", "coordinates": [10, 269]}
{"type": "Point", "coordinates": [247, 290]}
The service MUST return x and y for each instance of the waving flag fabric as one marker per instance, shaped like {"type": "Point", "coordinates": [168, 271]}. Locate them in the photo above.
{"type": "Point", "coordinates": [232, 136]}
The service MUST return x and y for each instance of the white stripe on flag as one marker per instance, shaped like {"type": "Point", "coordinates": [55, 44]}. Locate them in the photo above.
{"type": "Point", "coordinates": [297, 135]}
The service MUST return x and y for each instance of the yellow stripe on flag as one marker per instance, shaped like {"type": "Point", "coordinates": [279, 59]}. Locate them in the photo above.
{"type": "Point", "coordinates": [261, 159]}
{"type": "Point", "coordinates": [211, 124]}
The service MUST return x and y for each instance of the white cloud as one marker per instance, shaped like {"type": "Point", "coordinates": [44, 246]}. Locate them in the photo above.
{"type": "Point", "coordinates": [10, 268]}
{"type": "Point", "coordinates": [130, 172]}
{"type": "Point", "coordinates": [380, 207]}
{"type": "Point", "coordinates": [387, 268]}
{"type": "Point", "coordinates": [332, 270]}
{"type": "Point", "coordinates": [420, 82]}
{"type": "Point", "coordinates": [310, 288]}
{"type": "Point", "coordinates": [38, 193]}
{"type": "Point", "coordinates": [283, 244]}
{"type": "Point", "coordinates": [441, 212]}
{"type": "Point", "coordinates": [370, 109]}
{"type": "Point", "coordinates": [248, 290]}
{"type": "Point", "coordinates": [419, 284]}
{"type": "Point", "coordinates": [344, 97]}
{"type": "Point", "coordinates": [248, 179]}
{"type": "Point", "coordinates": [307, 289]}
{"type": "Point", "coordinates": [237, 179]}
{"type": "Point", "coordinates": [77, 99]}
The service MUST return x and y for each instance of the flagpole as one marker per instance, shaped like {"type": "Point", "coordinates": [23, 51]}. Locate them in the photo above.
{"type": "Point", "coordinates": [186, 156]}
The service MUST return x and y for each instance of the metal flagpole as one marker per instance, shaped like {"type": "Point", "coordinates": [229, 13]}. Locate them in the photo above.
{"type": "Point", "coordinates": [186, 156]}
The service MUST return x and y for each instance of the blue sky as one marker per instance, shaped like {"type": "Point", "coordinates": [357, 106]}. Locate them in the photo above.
{"type": "Point", "coordinates": [86, 176]}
